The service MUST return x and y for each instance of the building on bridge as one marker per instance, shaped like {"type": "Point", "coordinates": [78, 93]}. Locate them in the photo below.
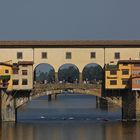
{"type": "Point", "coordinates": [17, 76]}
{"type": "Point", "coordinates": [22, 75]}
{"type": "Point", "coordinates": [77, 52]}
{"type": "Point", "coordinates": [6, 76]}
{"type": "Point", "coordinates": [124, 75]}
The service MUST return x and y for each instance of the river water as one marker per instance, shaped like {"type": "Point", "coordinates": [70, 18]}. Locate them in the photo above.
{"type": "Point", "coordinates": [70, 117]}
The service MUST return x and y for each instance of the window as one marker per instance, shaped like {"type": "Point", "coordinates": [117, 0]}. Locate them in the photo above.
{"type": "Point", "coordinates": [24, 65]}
{"type": "Point", "coordinates": [15, 71]}
{"type": "Point", "coordinates": [68, 55]}
{"type": "Point", "coordinates": [19, 55]}
{"type": "Point", "coordinates": [15, 82]}
{"type": "Point", "coordinates": [135, 72]}
{"type": "Point", "coordinates": [24, 72]}
{"type": "Point", "coordinates": [125, 64]}
{"type": "Point", "coordinates": [113, 72]}
{"type": "Point", "coordinates": [125, 72]}
{"type": "Point", "coordinates": [44, 55]}
{"type": "Point", "coordinates": [93, 55]}
{"type": "Point", "coordinates": [136, 65]}
{"type": "Point", "coordinates": [137, 81]}
{"type": "Point", "coordinates": [113, 82]}
{"type": "Point", "coordinates": [117, 55]}
{"type": "Point", "coordinates": [6, 71]}
{"type": "Point", "coordinates": [125, 81]}
{"type": "Point", "coordinates": [24, 82]}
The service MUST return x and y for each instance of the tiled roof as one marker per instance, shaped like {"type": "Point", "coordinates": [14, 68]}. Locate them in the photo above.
{"type": "Point", "coordinates": [111, 67]}
{"type": "Point", "coordinates": [6, 64]}
{"type": "Point", "coordinates": [129, 62]}
{"type": "Point", "coordinates": [25, 62]}
{"type": "Point", "coordinates": [71, 43]}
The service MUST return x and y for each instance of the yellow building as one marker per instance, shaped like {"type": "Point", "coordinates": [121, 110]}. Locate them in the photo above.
{"type": "Point", "coordinates": [6, 76]}
{"type": "Point", "coordinates": [118, 76]}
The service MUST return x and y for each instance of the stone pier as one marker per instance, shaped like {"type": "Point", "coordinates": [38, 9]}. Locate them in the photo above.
{"type": "Point", "coordinates": [80, 78]}
{"type": "Point", "coordinates": [56, 77]}
{"type": "Point", "coordinates": [131, 106]}
{"type": "Point", "coordinates": [101, 103]}
{"type": "Point", "coordinates": [7, 107]}
{"type": "Point", "coordinates": [49, 97]}
{"type": "Point", "coordinates": [52, 97]}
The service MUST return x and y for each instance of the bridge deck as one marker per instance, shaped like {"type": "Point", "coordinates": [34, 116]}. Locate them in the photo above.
{"type": "Point", "coordinates": [82, 88]}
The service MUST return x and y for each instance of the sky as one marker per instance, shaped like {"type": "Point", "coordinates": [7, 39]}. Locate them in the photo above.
{"type": "Point", "coordinates": [69, 19]}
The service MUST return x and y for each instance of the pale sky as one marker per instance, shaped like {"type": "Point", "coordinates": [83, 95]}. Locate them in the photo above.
{"type": "Point", "coordinates": [69, 19]}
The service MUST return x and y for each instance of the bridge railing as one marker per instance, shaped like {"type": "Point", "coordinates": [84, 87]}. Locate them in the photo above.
{"type": "Point", "coordinates": [65, 86]}
{"type": "Point", "coordinates": [45, 89]}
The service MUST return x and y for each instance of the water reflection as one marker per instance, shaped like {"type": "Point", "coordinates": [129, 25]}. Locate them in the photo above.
{"type": "Point", "coordinates": [67, 107]}
{"type": "Point", "coordinates": [70, 131]}
{"type": "Point", "coordinates": [31, 127]}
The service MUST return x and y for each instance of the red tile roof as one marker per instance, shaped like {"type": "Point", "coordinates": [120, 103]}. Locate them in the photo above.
{"type": "Point", "coordinates": [25, 62]}
{"type": "Point", "coordinates": [69, 42]}
{"type": "Point", "coordinates": [129, 62]}
{"type": "Point", "coordinates": [6, 64]}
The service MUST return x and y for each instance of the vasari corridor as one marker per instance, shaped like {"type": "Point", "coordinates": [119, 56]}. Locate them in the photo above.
{"type": "Point", "coordinates": [70, 90]}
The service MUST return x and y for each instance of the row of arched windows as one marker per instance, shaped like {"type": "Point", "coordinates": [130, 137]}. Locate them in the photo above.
{"type": "Point", "coordinates": [45, 73]}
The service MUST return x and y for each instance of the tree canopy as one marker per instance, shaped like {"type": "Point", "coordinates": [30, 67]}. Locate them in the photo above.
{"type": "Point", "coordinates": [70, 74]}
{"type": "Point", "coordinates": [48, 76]}
{"type": "Point", "coordinates": [93, 73]}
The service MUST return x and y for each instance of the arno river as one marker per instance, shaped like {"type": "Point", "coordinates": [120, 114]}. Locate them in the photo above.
{"type": "Point", "coordinates": [70, 117]}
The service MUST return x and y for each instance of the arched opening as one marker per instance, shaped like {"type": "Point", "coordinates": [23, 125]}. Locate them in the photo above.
{"type": "Point", "coordinates": [68, 73]}
{"type": "Point", "coordinates": [44, 73]}
{"type": "Point", "coordinates": [93, 73]}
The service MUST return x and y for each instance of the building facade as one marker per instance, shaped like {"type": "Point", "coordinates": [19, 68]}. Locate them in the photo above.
{"type": "Point", "coordinates": [22, 77]}
{"type": "Point", "coordinates": [17, 76]}
{"type": "Point", "coordinates": [6, 76]}
{"type": "Point", "coordinates": [79, 53]}
{"type": "Point", "coordinates": [124, 75]}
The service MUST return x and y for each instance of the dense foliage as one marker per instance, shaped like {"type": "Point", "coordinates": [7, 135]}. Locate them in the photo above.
{"type": "Point", "coordinates": [70, 74]}
{"type": "Point", "coordinates": [49, 77]}
{"type": "Point", "coordinates": [93, 73]}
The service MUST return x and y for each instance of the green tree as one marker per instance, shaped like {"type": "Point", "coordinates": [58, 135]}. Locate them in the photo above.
{"type": "Point", "coordinates": [49, 76]}
{"type": "Point", "coordinates": [93, 73]}
{"type": "Point", "coordinates": [69, 74]}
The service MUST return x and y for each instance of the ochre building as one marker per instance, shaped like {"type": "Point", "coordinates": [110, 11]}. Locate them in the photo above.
{"type": "Point", "coordinates": [124, 75]}
{"type": "Point", "coordinates": [6, 76]}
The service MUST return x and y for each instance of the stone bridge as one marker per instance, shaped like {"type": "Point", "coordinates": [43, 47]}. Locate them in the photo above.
{"type": "Point", "coordinates": [10, 102]}
{"type": "Point", "coordinates": [85, 88]}
{"type": "Point", "coordinates": [91, 89]}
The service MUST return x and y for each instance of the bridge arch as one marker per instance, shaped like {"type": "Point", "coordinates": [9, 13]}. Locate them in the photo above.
{"type": "Point", "coordinates": [44, 73]}
{"type": "Point", "coordinates": [93, 73]}
{"type": "Point", "coordinates": [68, 73]}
